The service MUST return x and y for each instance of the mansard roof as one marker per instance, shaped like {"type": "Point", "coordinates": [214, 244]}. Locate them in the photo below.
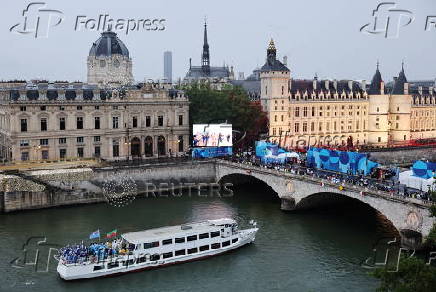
{"type": "Point", "coordinates": [325, 86]}
{"type": "Point", "coordinates": [215, 72]}
{"type": "Point", "coordinates": [274, 65]}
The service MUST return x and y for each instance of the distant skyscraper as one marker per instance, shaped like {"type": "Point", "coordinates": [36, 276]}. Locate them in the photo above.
{"type": "Point", "coordinates": [168, 66]}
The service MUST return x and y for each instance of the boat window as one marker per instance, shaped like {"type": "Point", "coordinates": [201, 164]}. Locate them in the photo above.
{"type": "Point", "coordinates": [112, 265]}
{"type": "Point", "coordinates": [167, 255]}
{"type": "Point", "coordinates": [167, 241]}
{"type": "Point", "coordinates": [141, 260]}
{"type": "Point", "coordinates": [155, 257]}
{"type": "Point", "coordinates": [234, 240]}
{"type": "Point", "coordinates": [215, 245]}
{"type": "Point", "coordinates": [97, 268]}
{"type": "Point", "coordinates": [215, 234]}
{"type": "Point", "coordinates": [151, 244]}
{"type": "Point", "coordinates": [192, 238]}
{"type": "Point", "coordinates": [180, 240]}
{"type": "Point", "coordinates": [204, 235]}
{"type": "Point", "coordinates": [226, 243]}
{"type": "Point", "coordinates": [129, 262]}
{"type": "Point", "coordinates": [204, 247]}
{"type": "Point", "coordinates": [192, 250]}
{"type": "Point", "coordinates": [180, 252]}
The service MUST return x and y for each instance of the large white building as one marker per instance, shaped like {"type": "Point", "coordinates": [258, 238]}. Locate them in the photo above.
{"type": "Point", "coordinates": [108, 117]}
{"type": "Point", "coordinates": [344, 112]}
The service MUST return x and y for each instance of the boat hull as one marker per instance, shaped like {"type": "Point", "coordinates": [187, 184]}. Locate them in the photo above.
{"type": "Point", "coordinates": [77, 272]}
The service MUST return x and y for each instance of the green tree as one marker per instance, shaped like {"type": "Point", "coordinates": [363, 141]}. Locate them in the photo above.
{"type": "Point", "coordinates": [413, 275]}
{"type": "Point", "coordinates": [230, 104]}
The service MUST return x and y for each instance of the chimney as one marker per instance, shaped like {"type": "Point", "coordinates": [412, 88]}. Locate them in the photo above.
{"type": "Point", "coordinates": [382, 87]}
{"type": "Point", "coordinates": [350, 84]}
{"type": "Point", "coordinates": [315, 81]}
{"type": "Point", "coordinates": [335, 84]}
{"type": "Point", "coordinates": [285, 60]}
{"type": "Point", "coordinates": [327, 84]}
{"type": "Point", "coordinates": [406, 88]}
{"type": "Point", "coordinates": [363, 84]}
{"type": "Point", "coordinates": [420, 90]}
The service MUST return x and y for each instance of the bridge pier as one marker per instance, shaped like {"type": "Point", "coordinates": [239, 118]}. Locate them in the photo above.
{"type": "Point", "coordinates": [411, 239]}
{"type": "Point", "coordinates": [287, 204]}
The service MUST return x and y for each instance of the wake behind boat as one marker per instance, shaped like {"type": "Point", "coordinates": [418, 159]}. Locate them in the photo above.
{"type": "Point", "coordinates": [153, 248]}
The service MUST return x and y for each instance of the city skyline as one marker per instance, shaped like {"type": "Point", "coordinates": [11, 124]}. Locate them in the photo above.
{"type": "Point", "coordinates": [321, 50]}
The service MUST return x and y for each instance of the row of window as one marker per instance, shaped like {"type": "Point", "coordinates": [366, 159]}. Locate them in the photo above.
{"type": "Point", "coordinates": [320, 127]}
{"type": "Point", "coordinates": [44, 142]}
{"type": "Point", "coordinates": [43, 108]}
{"type": "Point", "coordinates": [97, 124]}
{"type": "Point", "coordinates": [181, 239]}
{"type": "Point", "coordinates": [63, 153]}
{"type": "Point", "coordinates": [181, 252]}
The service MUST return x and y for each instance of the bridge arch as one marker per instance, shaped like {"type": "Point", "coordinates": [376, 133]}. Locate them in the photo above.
{"type": "Point", "coordinates": [239, 178]}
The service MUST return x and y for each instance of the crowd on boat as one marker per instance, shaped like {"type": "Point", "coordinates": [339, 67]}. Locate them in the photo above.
{"type": "Point", "coordinates": [95, 252]}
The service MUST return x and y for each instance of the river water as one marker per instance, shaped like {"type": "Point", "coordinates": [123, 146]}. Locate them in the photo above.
{"type": "Point", "coordinates": [315, 250]}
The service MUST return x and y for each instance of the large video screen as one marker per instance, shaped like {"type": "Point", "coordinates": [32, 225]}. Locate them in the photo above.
{"type": "Point", "coordinates": [212, 135]}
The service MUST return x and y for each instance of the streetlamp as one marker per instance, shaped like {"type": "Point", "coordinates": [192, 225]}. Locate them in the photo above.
{"type": "Point", "coordinates": [128, 143]}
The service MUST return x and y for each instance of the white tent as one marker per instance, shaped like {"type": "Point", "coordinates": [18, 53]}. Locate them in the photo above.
{"type": "Point", "coordinates": [290, 155]}
{"type": "Point", "coordinates": [407, 178]}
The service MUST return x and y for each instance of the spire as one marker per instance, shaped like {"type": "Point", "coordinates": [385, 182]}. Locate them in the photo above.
{"type": "Point", "coordinates": [375, 87]}
{"type": "Point", "coordinates": [271, 52]}
{"type": "Point", "coordinates": [205, 33]}
{"type": "Point", "coordinates": [205, 56]}
{"type": "Point", "coordinates": [272, 64]}
{"type": "Point", "coordinates": [400, 82]}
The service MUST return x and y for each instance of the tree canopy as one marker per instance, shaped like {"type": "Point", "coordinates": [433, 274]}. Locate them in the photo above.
{"type": "Point", "coordinates": [230, 104]}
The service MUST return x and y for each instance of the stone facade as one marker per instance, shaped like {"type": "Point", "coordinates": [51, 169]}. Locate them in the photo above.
{"type": "Point", "coordinates": [332, 112]}
{"type": "Point", "coordinates": [107, 118]}
{"type": "Point", "coordinates": [147, 122]}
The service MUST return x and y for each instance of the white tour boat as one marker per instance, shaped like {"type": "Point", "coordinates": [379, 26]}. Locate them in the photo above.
{"type": "Point", "coordinates": [153, 248]}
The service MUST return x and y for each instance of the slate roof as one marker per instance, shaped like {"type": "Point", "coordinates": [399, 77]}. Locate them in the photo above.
{"type": "Point", "coordinates": [215, 72]}
{"type": "Point", "coordinates": [399, 83]}
{"type": "Point", "coordinates": [107, 45]}
{"type": "Point", "coordinates": [375, 87]}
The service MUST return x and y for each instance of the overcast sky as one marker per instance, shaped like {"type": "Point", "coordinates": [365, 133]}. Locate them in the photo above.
{"type": "Point", "coordinates": [317, 36]}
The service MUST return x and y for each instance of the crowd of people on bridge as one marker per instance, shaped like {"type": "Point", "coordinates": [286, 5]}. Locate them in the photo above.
{"type": "Point", "coordinates": [386, 183]}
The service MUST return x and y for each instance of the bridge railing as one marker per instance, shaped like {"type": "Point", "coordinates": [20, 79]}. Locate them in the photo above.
{"type": "Point", "coordinates": [315, 180]}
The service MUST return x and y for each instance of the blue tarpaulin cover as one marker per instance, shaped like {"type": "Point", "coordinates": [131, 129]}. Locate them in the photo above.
{"type": "Point", "coordinates": [424, 169]}
{"type": "Point", "coordinates": [341, 161]}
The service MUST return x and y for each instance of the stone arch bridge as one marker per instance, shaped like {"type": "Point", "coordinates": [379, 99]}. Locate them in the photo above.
{"type": "Point", "coordinates": [408, 216]}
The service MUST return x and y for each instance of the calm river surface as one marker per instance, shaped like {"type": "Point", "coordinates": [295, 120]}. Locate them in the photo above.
{"type": "Point", "coordinates": [318, 250]}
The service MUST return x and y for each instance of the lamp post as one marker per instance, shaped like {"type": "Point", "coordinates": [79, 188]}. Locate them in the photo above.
{"type": "Point", "coordinates": [128, 143]}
